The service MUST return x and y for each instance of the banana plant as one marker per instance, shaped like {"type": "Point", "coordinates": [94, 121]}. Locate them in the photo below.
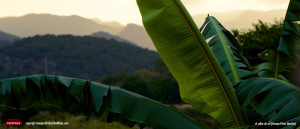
{"type": "Point", "coordinates": [68, 94]}
{"type": "Point", "coordinates": [212, 74]}
{"type": "Point", "coordinates": [226, 49]}
{"type": "Point", "coordinates": [280, 63]}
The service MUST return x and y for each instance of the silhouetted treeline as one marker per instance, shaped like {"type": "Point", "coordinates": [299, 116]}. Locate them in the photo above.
{"type": "Point", "coordinates": [158, 84]}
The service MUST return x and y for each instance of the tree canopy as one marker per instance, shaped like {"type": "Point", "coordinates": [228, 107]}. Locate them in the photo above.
{"type": "Point", "coordinates": [262, 36]}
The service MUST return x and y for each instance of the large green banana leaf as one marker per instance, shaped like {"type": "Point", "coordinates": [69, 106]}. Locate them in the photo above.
{"type": "Point", "coordinates": [202, 82]}
{"type": "Point", "coordinates": [67, 93]}
{"type": "Point", "coordinates": [226, 49]}
{"type": "Point", "coordinates": [275, 100]}
{"type": "Point", "coordinates": [290, 38]}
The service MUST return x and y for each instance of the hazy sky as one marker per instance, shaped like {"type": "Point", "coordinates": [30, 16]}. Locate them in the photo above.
{"type": "Point", "coordinates": [126, 11]}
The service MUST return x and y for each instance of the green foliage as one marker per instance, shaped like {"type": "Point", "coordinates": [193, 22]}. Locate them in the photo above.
{"type": "Point", "coordinates": [160, 84]}
{"type": "Point", "coordinates": [263, 36]}
{"type": "Point", "coordinates": [90, 98]}
{"type": "Point", "coordinates": [275, 100]}
{"type": "Point", "coordinates": [203, 72]}
{"type": "Point", "coordinates": [161, 68]}
{"type": "Point", "coordinates": [290, 38]}
{"type": "Point", "coordinates": [110, 80]}
{"type": "Point", "coordinates": [83, 57]}
{"type": "Point", "coordinates": [114, 80]}
{"type": "Point", "coordinates": [226, 50]}
{"type": "Point", "coordinates": [164, 89]}
{"type": "Point", "coordinates": [202, 82]}
{"type": "Point", "coordinates": [135, 84]}
{"type": "Point", "coordinates": [201, 118]}
{"type": "Point", "coordinates": [145, 74]}
{"type": "Point", "coordinates": [277, 65]}
{"type": "Point", "coordinates": [282, 42]}
{"type": "Point", "coordinates": [190, 60]}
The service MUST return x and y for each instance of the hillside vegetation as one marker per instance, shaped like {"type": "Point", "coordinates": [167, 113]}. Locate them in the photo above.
{"type": "Point", "coordinates": [7, 39]}
{"type": "Point", "coordinates": [81, 57]}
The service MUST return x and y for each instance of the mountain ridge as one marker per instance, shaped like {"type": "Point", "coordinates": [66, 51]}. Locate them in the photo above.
{"type": "Point", "coordinates": [242, 20]}
{"type": "Point", "coordinates": [138, 35]}
{"type": "Point", "coordinates": [34, 24]}
{"type": "Point", "coordinates": [133, 33]}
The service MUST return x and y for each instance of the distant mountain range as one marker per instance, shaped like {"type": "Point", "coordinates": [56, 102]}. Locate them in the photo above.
{"type": "Point", "coordinates": [75, 56]}
{"type": "Point", "coordinates": [33, 24]}
{"type": "Point", "coordinates": [242, 20]}
{"type": "Point", "coordinates": [137, 34]}
{"type": "Point", "coordinates": [111, 23]}
{"type": "Point", "coordinates": [39, 24]}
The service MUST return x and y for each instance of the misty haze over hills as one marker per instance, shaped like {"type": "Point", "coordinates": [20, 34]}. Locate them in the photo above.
{"type": "Point", "coordinates": [39, 24]}
{"type": "Point", "coordinates": [242, 19]}
{"type": "Point", "coordinates": [33, 24]}
{"type": "Point", "coordinates": [137, 34]}
{"type": "Point", "coordinates": [111, 23]}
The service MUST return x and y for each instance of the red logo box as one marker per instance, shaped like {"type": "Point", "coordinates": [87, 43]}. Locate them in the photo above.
{"type": "Point", "coordinates": [13, 122]}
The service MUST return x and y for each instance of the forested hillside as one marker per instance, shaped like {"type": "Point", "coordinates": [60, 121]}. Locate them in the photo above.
{"type": "Point", "coordinates": [7, 39]}
{"type": "Point", "coordinates": [74, 56]}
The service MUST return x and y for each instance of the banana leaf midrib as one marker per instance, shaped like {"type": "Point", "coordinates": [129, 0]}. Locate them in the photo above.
{"type": "Point", "coordinates": [232, 66]}
{"type": "Point", "coordinates": [210, 64]}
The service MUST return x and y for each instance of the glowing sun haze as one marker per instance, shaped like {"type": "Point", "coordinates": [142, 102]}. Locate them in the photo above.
{"type": "Point", "coordinates": [126, 11]}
